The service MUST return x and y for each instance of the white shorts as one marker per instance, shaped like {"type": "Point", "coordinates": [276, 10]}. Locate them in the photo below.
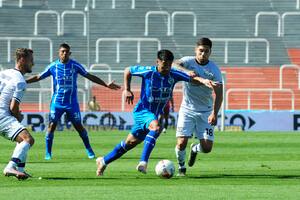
{"type": "Point", "coordinates": [190, 122]}
{"type": "Point", "coordinates": [10, 127]}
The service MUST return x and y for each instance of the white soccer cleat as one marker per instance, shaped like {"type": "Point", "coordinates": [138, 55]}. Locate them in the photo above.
{"type": "Point", "coordinates": [142, 167]}
{"type": "Point", "coordinates": [11, 171]}
{"type": "Point", "coordinates": [100, 166]}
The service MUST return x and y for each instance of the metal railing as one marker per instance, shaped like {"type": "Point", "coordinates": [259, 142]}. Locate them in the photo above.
{"type": "Point", "coordinates": [49, 12]}
{"type": "Point", "coordinates": [164, 13]}
{"type": "Point", "coordinates": [170, 20]}
{"type": "Point", "coordinates": [113, 4]}
{"type": "Point", "coordinates": [280, 20]}
{"type": "Point", "coordinates": [176, 13]}
{"type": "Point", "coordinates": [74, 12]}
{"type": "Point", "coordinates": [30, 39]}
{"type": "Point", "coordinates": [284, 15]}
{"type": "Point", "coordinates": [267, 90]}
{"type": "Point", "coordinates": [282, 67]}
{"type": "Point", "coordinates": [119, 40]}
{"type": "Point", "coordinates": [246, 40]}
{"type": "Point", "coordinates": [259, 14]}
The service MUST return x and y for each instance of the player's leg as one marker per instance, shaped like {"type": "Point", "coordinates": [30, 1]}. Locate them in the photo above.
{"type": "Point", "coordinates": [185, 128]}
{"type": "Point", "coordinates": [74, 116]}
{"type": "Point", "coordinates": [13, 130]}
{"type": "Point", "coordinates": [205, 134]}
{"type": "Point", "coordinates": [165, 120]}
{"type": "Point", "coordinates": [54, 116]}
{"type": "Point", "coordinates": [120, 149]}
{"type": "Point", "coordinates": [180, 153]}
{"type": "Point", "coordinates": [149, 144]}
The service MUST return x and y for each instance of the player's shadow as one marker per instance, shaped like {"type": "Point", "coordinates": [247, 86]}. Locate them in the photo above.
{"type": "Point", "coordinates": [246, 176]}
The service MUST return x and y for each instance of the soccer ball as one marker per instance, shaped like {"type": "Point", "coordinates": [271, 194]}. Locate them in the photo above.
{"type": "Point", "coordinates": [165, 169]}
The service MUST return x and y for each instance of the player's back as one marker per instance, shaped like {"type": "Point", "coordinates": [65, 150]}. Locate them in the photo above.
{"type": "Point", "coordinates": [12, 85]}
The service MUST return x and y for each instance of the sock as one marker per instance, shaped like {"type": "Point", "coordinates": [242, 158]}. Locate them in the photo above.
{"type": "Point", "coordinates": [197, 148]}
{"type": "Point", "coordinates": [49, 141]}
{"type": "Point", "coordinates": [85, 138]}
{"type": "Point", "coordinates": [180, 155]}
{"type": "Point", "coordinates": [116, 153]}
{"type": "Point", "coordinates": [19, 155]}
{"type": "Point", "coordinates": [149, 144]}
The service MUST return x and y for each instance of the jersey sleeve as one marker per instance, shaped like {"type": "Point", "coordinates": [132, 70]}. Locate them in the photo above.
{"type": "Point", "coordinates": [46, 72]}
{"type": "Point", "coordinates": [19, 91]}
{"type": "Point", "coordinates": [217, 75]}
{"type": "Point", "coordinates": [180, 75]}
{"type": "Point", "coordinates": [80, 69]}
{"type": "Point", "coordinates": [139, 70]}
{"type": "Point", "coordinates": [186, 60]}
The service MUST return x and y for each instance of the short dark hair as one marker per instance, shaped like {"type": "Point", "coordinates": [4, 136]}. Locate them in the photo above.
{"type": "Point", "coordinates": [64, 45]}
{"type": "Point", "coordinates": [165, 55]}
{"type": "Point", "coordinates": [23, 53]}
{"type": "Point", "coordinates": [204, 41]}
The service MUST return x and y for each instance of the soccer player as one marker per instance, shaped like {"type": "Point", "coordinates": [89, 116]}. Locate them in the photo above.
{"type": "Point", "coordinates": [12, 88]}
{"type": "Point", "coordinates": [164, 117]}
{"type": "Point", "coordinates": [64, 72]}
{"type": "Point", "coordinates": [156, 90]}
{"type": "Point", "coordinates": [198, 112]}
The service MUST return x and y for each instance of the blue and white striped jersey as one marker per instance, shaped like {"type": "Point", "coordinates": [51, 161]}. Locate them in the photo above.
{"type": "Point", "coordinates": [64, 81]}
{"type": "Point", "coordinates": [156, 89]}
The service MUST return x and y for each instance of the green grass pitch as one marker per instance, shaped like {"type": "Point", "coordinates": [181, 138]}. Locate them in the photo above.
{"type": "Point", "coordinates": [242, 165]}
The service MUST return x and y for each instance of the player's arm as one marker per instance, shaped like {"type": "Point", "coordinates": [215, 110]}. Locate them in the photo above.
{"type": "Point", "coordinates": [99, 81]}
{"type": "Point", "coordinates": [213, 118]}
{"type": "Point", "coordinates": [127, 86]}
{"type": "Point", "coordinates": [33, 79]}
{"type": "Point", "coordinates": [178, 64]}
{"type": "Point", "coordinates": [15, 110]}
{"type": "Point", "coordinates": [203, 81]}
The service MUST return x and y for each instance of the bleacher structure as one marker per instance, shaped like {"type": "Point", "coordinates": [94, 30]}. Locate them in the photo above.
{"type": "Point", "coordinates": [256, 44]}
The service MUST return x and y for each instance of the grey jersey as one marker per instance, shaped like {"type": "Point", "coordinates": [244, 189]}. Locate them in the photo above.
{"type": "Point", "coordinates": [199, 97]}
{"type": "Point", "coordinates": [12, 85]}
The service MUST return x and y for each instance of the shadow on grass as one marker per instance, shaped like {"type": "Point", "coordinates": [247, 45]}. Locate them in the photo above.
{"type": "Point", "coordinates": [245, 176]}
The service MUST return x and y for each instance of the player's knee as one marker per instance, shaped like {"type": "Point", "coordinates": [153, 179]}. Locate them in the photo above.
{"type": "Point", "coordinates": [154, 126]}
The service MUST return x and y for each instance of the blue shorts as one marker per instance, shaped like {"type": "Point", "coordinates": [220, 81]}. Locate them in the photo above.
{"type": "Point", "coordinates": [72, 111]}
{"type": "Point", "coordinates": [142, 120]}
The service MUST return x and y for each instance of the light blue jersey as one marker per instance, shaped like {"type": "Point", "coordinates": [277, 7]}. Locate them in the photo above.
{"type": "Point", "coordinates": [64, 98]}
{"type": "Point", "coordinates": [156, 91]}
{"type": "Point", "coordinates": [64, 81]}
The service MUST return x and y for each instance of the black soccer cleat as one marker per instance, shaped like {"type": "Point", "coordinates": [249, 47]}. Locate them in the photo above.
{"type": "Point", "coordinates": [192, 156]}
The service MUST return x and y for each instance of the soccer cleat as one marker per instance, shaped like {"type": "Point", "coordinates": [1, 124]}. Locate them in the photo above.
{"type": "Point", "coordinates": [181, 172]}
{"type": "Point", "coordinates": [48, 156]}
{"type": "Point", "coordinates": [142, 167]}
{"type": "Point", "coordinates": [192, 156]}
{"type": "Point", "coordinates": [90, 153]}
{"type": "Point", "coordinates": [12, 171]}
{"type": "Point", "coordinates": [100, 166]}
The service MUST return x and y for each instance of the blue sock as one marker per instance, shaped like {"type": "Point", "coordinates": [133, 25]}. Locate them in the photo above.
{"type": "Point", "coordinates": [149, 144]}
{"type": "Point", "coordinates": [116, 153]}
{"type": "Point", "coordinates": [85, 138]}
{"type": "Point", "coordinates": [49, 141]}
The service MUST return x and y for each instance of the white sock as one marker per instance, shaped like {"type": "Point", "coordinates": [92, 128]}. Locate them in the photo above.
{"type": "Point", "coordinates": [197, 148]}
{"type": "Point", "coordinates": [180, 155]}
{"type": "Point", "coordinates": [21, 150]}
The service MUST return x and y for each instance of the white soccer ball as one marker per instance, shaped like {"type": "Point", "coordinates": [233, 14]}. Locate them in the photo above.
{"type": "Point", "coordinates": [165, 169]}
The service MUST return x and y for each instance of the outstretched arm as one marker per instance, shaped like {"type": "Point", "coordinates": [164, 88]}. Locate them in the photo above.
{"type": "Point", "coordinates": [33, 79]}
{"type": "Point", "coordinates": [99, 81]}
{"type": "Point", "coordinates": [127, 86]}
